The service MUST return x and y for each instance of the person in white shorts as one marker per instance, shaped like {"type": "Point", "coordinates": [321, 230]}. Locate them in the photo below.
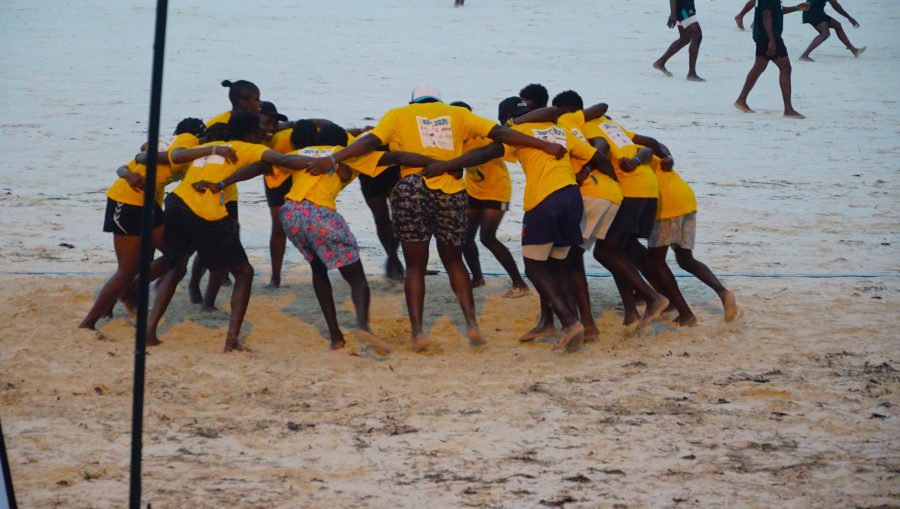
{"type": "Point", "coordinates": [684, 15]}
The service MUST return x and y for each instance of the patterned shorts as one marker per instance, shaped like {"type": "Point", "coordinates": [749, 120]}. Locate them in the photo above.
{"type": "Point", "coordinates": [319, 232]}
{"type": "Point", "coordinates": [675, 231]}
{"type": "Point", "coordinates": [420, 212]}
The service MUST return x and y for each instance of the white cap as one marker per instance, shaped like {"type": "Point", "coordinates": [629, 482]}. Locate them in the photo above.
{"type": "Point", "coordinates": [425, 91]}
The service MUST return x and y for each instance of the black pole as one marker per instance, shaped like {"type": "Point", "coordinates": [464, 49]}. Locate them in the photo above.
{"type": "Point", "coordinates": [7, 474]}
{"type": "Point", "coordinates": [140, 352]}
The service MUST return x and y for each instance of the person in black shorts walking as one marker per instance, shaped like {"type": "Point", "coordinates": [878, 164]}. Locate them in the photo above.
{"type": "Point", "coordinates": [684, 15]}
{"type": "Point", "coordinates": [375, 191]}
{"type": "Point", "coordinates": [822, 22]}
{"type": "Point", "coordinates": [768, 24]}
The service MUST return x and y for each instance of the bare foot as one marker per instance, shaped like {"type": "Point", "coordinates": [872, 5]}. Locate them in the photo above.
{"type": "Point", "coordinates": [572, 337]}
{"type": "Point", "coordinates": [631, 319]}
{"type": "Point", "coordinates": [90, 333]}
{"type": "Point", "coordinates": [742, 105]}
{"type": "Point", "coordinates": [337, 343]}
{"type": "Point", "coordinates": [153, 341]}
{"type": "Point", "coordinates": [194, 294]}
{"type": "Point", "coordinates": [393, 271]}
{"type": "Point", "coordinates": [233, 344]}
{"type": "Point", "coordinates": [685, 321]}
{"type": "Point", "coordinates": [130, 302]}
{"type": "Point", "coordinates": [375, 343]}
{"type": "Point", "coordinates": [227, 281]}
{"type": "Point", "coordinates": [477, 282]}
{"type": "Point", "coordinates": [794, 114]}
{"type": "Point", "coordinates": [730, 305]}
{"type": "Point", "coordinates": [739, 21]}
{"type": "Point", "coordinates": [419, 343]}
{"type": "Point", "coordinates": [591, 333]}
{"type": "Point", "coordinates": [274, 284]}
{"type": "Point", "coordinates": [475, 338]}
{"type": "Point", "coordinates": [209, 309]}
{"type": "Point", "coordinates": [805, 58]}
{"type": "Point", "coordinates": [516, 292]}
{"type": "Point", "coordinates": [538, 332]}
{"type": "Point", "coordinates": [661, 68]}
{"type": "Point", "coordinates": [654, 310]}
{"type": "Point", "coordinates": [694, 77]}
{"type": "Point", "coordinates": [858, 51]}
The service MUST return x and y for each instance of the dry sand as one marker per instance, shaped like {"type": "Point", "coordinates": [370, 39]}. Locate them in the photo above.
{"type": "Point", "coordinates": [795, 404]}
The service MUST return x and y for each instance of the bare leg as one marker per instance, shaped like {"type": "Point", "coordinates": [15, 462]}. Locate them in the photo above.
{"type": "Point", "coordinates": [842, 35]}
{"type": "Point", "coordinates": [197, 271]}
{"type": "Point", "coordinates": [657, 259]}
{"type": "Point", "coordinates": [546, 278]}
{"type": "Point", "coordinates": [490, 221]}
{"type": "Point", "coordinates": [470, 249]}
{"type": "Point", "coordinates": [355, 276]}
{"type": "Point", "coordinates": [759, 65]}
{"type": "Point", "coordinates": [824, 33]}
{"type": "Point", "coordinates": [213, 285]}
{"type": "Point", "coordinates": [451, 257]}
{"type": "Point", "coordinates": [544, 327]}
{"type": "Point", "coordinates": [628, 280]}
{"type": "Point", "coordinates": [277, 244]}
{"type": "Point", "coordinates": [784, 79]}
{"type": "Point", "coordinates": [240, 299]}
{"type": "Point", "coordinates": [575, 262]}
{"type": "Point", "coordinates": [322, 287]}
{"type": "Point", "coordinates": [686, 261]}
{"type": "Point", "coordinates": [416, 256]}
{"type": "Point", "coordinates": [683, 40]}
{"type": "Point", "coordinates": [129, 297]}
{"type": "Point", "coordinates": [693, 51]}
{"type": "Point", "coordinates": [128, 256]}
{"type": "Point", "coordinates": [164, 292]}
{"type": "Point", "coordinates": [381, 213]}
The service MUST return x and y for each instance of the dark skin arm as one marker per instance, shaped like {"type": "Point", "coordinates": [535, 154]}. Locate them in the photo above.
{"type": "Point", "coordinates": [511, 137]}
{"type": "Point", "coordinates": [471, 158]}
{"type": "Point", "coordinates": [545, 114]}
{"type": "Point", "coordinates": [595, 111]}
{"type": "Point", "coordinates": [263, 167]}
{"type": "Point", "coordinates": [672, 17]}
{"type": "Point", "coordinates": [360, 147]}
{"type": "Point", "coordinates": [770, 32]}
{"type": "Point", "coordinates": [183, 155]}
{"type": "Point", "coordinates": [840, 10]}
{"type": "Point", "coordinates": [799, 7]}
{"type": "Point", "coordinates": [135, 180]}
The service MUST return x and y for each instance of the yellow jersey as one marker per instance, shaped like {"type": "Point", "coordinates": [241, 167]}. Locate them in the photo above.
{"type": "Point", "coordinates": [640, 183]}
{"type": "Point", "coordinates": [323, 189]}
{"type": "Point", "coordinates": [488, 181]}
{"type": "Point", "coordinates": [676, 198]}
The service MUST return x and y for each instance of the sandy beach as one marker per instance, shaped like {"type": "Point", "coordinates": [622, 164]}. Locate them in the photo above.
{"type": "Point", "coordinates": [793, 405]}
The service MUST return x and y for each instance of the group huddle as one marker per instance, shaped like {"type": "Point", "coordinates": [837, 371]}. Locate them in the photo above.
{"type": "Point", "coordinates": [427, 169]}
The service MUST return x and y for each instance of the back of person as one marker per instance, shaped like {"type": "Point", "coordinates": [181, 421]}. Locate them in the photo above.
{"type": "Point", "coordinates": [640, 183]}
{"type": "Point", "coordinates": [676, 198]}
{"type": "Point", "coordinates": [544, 174]}
{"type": "Point", "coordinates": [759, 30]}
{"type": "Point", "coordinates": [489, 181]}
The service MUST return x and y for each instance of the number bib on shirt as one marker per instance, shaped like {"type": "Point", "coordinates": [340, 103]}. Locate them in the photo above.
{"type": "Point", "coordinates": [616, 135]}
{"type": "Point", "coordinates": [436, 132]}
{"type": "Point", "coordinates": [551, 134]}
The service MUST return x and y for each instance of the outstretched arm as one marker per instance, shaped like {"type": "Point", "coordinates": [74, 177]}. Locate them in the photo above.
{"type": "Point", "coordinates": [243, 173]}
{"type": "Point", "coordinates": [787, 10]}
{"type": "Point", "coordinates": [545, 114]}
{"type": "Point", "coordinates": [471, 158]}
{"type": "Point", "coordinates": [512, 137]}
{"type": "Point", "coordinates": [135, 180]}
{"type": "Point", "coordinates": [409, 159]}
{"type": "Point", "coordinates": [183, 155]}
{"type": "Point", "coordinates": [660, 150]}
{"type": "Point", "coordinates": [595, 111]}
{"type": "Point", "coordinates": [840, 10]}
{"type": "Point", "coordinates": [362, 146]}
{"type": "Point", "coordinates": [289, 162]}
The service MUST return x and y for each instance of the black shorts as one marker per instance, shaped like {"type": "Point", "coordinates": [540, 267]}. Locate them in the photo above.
{"type": "Point", "coordinates": [420, 212]}
{"type": "Point", "coordinates": [382, 185]}
{"type": "Point", "coordinates": [762, 47]}
{"type": "Point", "coordinates": [218, 243]}
{"type": "Point", "coordinates": [275, 196]}
{"type": "Point", "coordinates": [475, 203]}
{"type": "Point", "coordinates": [635, 218]}
{"type": "Point", "coordinates": [232, 209]}
{"type": "Point", "coordinates": [556, 219]}
{"type": "Point", "coordinates": [684, 9]}
{"type": "Point", "coordinates": [124, 219]}
{"type": "Point", "coordinates": [816, 18]}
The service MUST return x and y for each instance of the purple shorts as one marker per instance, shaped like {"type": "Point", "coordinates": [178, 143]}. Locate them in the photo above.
{"type": "Point", "coordinates": [319, 232]}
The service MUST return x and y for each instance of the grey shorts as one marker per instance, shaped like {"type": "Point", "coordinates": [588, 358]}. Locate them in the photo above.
{"type": "Point", "coordinates": [598, 217]}
{"type": "Point", "coordinates": [675, 231]}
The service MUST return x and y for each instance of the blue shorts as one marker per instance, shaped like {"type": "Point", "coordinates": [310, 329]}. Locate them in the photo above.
{"type": "Point", "coordinates": [556, 219]}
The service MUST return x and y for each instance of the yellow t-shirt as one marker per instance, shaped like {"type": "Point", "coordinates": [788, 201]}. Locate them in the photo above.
{"type": "Point", "coordinates": [574, 122]}
{"type": "Point", "coordinates": [220, 118]}
{"type": "Point", "coordinates": [187, 140]}
{"type": "Point", "coordinates": [122, 192]}
{"type": "Point", "coordinates": [488, 181]}
{"type": "Point", "coordinates": [280, 142]}
{"type": "Point", "coordinates": [543, 173]}
{"type": "Point", "coordinates": [323, 189]}
{"type": "Point", "coordinates": [640, 183]}
{"type": "Point", "coordinates": [435, 130]}
{"type": "Point", "coordinates": [676, 198]}
{"type": "Point", "coordinates": [215, 168]}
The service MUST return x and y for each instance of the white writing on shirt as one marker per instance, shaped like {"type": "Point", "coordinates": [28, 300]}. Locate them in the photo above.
{"type": "Point", "coordinates": [436, 132]}
{"type": "Point", "coordinates": [317, 152]}
{"type": "Point", "coordinates": [551, 134]}
{"type": "Point", "coordinates": [210, 159]}
{"type": "Point", "coordinates": [578, 134]}
{"type": "Point", "coordinates": [616, 135]}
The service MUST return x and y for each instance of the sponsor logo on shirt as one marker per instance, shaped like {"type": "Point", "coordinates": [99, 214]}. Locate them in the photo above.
{"type": "Point", "coordinates": [435, 132]}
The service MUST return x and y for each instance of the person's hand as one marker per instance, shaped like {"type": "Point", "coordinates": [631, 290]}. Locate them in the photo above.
{"type": "Point", "coordinates": [141, 158]}
{"type": "Point", "coordinates": [667, 163]}
{"type": "Point", "coordinates": [227, 152]}
{"type": "Point", "coordinates": [803, 6]}
{"type": "Point", "coordinates": [672, 21]}
{"type": "Point", "coordinates": [854, 23]}
{"type": "Point", "coordinates": [434, 169]}
{"type": "Point", "coordinates": [628, 163]}
{"type": "Point", "coordinates": [320, 166]}
{"type": "Point", "coordinates": [201, 186]}
{"type": "Point", "coordinates": [135, 180]}
{"type": "Point", "coordinates": [772, 49]}
{"type": "Point", "coordinates": [555, 149]}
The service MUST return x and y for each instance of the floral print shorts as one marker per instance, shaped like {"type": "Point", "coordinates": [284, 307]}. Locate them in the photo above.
{"type": "Point", "coordinates": [319, 232]}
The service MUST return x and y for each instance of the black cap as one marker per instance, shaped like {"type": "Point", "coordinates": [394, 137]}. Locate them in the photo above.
{"type": "Point", "coordinates": [269, 109]}
{"type": "Point", "coordinates": [512, 107]}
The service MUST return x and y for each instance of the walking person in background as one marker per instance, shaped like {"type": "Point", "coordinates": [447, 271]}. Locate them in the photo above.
{"type": "Point", "coordinates": [823, 23]}
{"type": "Point", "coordinates": [684, 15]}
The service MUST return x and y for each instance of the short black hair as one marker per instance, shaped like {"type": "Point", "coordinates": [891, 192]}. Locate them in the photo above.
{"type": "Point", "coordinates": [569, 100]}
{"type": "Point", "coordinates": [461, 104]}
{"type": "Point", "coordinates": [535, 93]}
{"type": "Point", "coordinates": [242, 125]}
{"type": "Point", "coordinates": [332, 135]}
{"type": "Point", "coordinates": [191, 125]}
{"type": "Point", "coordinates": [240, 89]}
{"type": "Point", "coordinates": [304, 134]}
{"type": "Point", "coordinates": [215, 132]}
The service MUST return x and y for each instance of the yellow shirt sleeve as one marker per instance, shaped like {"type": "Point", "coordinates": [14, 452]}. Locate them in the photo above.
{"type": "Point", "coordinates": [280, 142]}
{"type": "Point", "coordinates": [387, 126]}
